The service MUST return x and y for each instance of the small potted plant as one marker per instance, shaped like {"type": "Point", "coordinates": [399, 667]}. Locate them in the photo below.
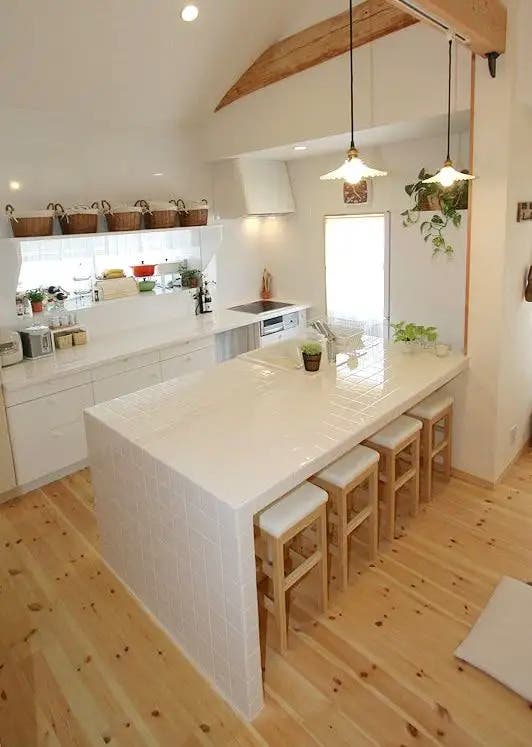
{"type": "Point", "coordinates": [36, 298]}
{"type": "Point", "coordinates": [414, 336]}
{"type": "Point", "coordinates": [311, 352]}
{"type": "Point", "coordinates": [190, 278]}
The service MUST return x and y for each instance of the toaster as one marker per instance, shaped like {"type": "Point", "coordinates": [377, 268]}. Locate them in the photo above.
{"type": "Point", "coordinates": [37, 341]}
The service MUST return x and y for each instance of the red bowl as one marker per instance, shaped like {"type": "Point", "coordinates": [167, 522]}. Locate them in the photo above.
{"type": "Point", "coordinates": [143, 271]}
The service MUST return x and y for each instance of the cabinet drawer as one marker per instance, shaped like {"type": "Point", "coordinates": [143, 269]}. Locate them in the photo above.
{"type": "Point", "coordinates": [122, 365]}
{"type": "Point", "coordinates": [195, 361]}
{"type": "Point", "coordinates": [189, 346]}
{"type": "Point", "coordinates": [125, 383]}
{"type": "Point", "coordinates": [48, 433]}
{"type": "Point", "coordinates": [45, 388]}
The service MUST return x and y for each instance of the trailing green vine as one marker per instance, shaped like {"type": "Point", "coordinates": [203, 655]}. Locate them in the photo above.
{"type": "Point", "coordinates": [447, 201]}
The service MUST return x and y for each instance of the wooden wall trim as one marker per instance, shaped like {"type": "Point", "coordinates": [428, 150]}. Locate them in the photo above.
{"type": "Point", "coordinates": [471, 192]}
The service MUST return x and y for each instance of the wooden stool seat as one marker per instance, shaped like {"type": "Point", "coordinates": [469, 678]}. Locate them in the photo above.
{"type": "Point", "coordinates": [432, 406]}
{"type": "Point", "coordinates": [394, 434]}
{"type": "Point", "coordinates": [289, 510]}
{"type": "Point", "coordinates": [436, 416]}
{"type": "Point", "coordinates": [399, 446]}
{"type": "Point", "coordinates": [349, 467]}
{"type": "Point", "coordinates": [340, 479]}
{"type": "Point", "coordinates": [285, 520]}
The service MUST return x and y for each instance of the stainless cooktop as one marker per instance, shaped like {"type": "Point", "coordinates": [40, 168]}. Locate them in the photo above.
{"type": "Point", "coordinates": [260, 307]}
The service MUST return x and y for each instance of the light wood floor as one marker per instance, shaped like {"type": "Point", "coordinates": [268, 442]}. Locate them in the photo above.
{"type": "Point", "coordinates": [82, 664]}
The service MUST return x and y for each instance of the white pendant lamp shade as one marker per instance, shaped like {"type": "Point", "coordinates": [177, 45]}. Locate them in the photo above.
{"type": "Point", "coordinates": [448, 175]}
{"type": "Point", "coordinates": [353, 170]}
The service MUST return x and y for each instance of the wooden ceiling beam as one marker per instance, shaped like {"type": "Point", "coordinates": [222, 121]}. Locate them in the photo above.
{"type": "Point", "coordinates": [482, 22]}
{"type": "Point", "coordinates": [316, 44]}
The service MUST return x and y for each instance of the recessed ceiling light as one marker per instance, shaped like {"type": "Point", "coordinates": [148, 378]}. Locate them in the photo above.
{"type": "Point", "coordinates": [158, 173]}
{"type": "Point", "coordinates": [300, 147]}
{"type": "Point", "coordinates": [15, 186]}
{"type": "Point", "coordinates": [190, 13]}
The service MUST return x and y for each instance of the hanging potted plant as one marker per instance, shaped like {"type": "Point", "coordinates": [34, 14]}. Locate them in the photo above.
{"type": "Point", "coordinates": [36, 298]}
{"type": "Point", "coordinates": [432, 196]}
{"type": "Point", "coordinates": [449, 186]}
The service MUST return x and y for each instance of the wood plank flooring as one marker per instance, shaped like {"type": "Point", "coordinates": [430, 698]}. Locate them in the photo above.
{"type": "Point", "coordinates": [82, 664]}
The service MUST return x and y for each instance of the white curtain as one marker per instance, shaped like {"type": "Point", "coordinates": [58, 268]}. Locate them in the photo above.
{"type": "Point", "coordinates": [355, 260]}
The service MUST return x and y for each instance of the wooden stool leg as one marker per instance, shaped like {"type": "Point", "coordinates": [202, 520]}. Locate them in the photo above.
{"type": "Point", "coordinates": [279, 597]}
{"type": "Point", "coordinates": [427, 435]}
{"type": "Point", "coordinates": [389, 494]}
{"type": "Point", "coordinates": [343, 545]}
{"type": "Point", "coordinates": [414, 482]}
{"type": "Point", "coordinates": [448, 453]}
{"type": "Point", "coordinates": [322, 546]}
{"type": "Point", "coordinates": [373, 520]}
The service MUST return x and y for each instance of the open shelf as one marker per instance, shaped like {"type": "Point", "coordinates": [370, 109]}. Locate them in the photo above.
{"type": "Point", "coordinates": [141, 232]}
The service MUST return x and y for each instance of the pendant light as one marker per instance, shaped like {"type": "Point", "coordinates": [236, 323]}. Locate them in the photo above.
{"type": "Point", "coordinates": [353, 170]}
{"type": "Point", "coordinates": [448, 175]}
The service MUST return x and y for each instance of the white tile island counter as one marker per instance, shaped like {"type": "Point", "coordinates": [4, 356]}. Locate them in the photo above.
{"type": "Point", "coordinates": [180, 469]}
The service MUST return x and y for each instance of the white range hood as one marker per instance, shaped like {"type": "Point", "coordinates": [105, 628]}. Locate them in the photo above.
{"type": "Point", "coordinates": [252, 186]}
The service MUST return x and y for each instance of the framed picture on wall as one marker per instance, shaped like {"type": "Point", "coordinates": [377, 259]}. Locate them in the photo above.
{"type": "Point", "coordinates": [357, 194]}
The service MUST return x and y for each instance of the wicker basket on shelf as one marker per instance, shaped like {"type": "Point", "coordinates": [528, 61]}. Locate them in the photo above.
{"type": "Point", "coordinates": [78, 219]}
{"type": "Point", "coordinates": [158, 214]}
{"type": "Point", "coordinates": [31, 223]}
{"type": "Point", "coordinates": [122, 217]}
{"type": "Point", "coordinates": [193, 214]}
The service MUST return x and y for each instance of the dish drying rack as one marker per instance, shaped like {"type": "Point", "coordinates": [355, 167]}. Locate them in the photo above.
{"type": "Point", "coordinates": [354, 337]}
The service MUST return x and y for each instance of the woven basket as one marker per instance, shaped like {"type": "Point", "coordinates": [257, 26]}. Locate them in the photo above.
{"type": "Point", "coordinates": [122, 217]}
{"type": "Point", "coordinates": [196, 214]}
{"type": "Point", "coordinates": [158, 214]}
{"type": "Point", "coordinates": [78, 219]}
{"type": "Point", "coordinates": [36, 223]}
{"type": "Point", "coordinates": [63, 340]}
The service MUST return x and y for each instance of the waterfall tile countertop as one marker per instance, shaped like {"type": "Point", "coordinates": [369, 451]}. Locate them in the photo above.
{"type": "Point", "coordinates": [180, 469]}
{"type": "Point", "coordinates": [247, 433]}
{"type": "Point", "coordinates": [107, 348]}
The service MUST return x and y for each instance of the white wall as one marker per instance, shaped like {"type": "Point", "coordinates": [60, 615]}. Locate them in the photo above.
{"type": "Point", "coordinates": [515, 381]}
{"type": "Point", "coordinates": [237, 263]}
{"type": "Point", "coordinates": [497, 392]}
{"type": "Point", "coordinates": [62, 158]}
{"type": "Point", "coordinates": [399, 78]}
{"type": "Point", "coordinates": [423, 289]}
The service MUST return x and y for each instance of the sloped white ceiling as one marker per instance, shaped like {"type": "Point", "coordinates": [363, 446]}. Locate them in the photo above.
{"type": "Point", "coordinates": [135, 59]}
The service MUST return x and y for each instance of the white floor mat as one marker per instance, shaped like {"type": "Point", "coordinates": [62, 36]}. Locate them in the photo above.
{"type": "Point", "coordinates": [500, 643]}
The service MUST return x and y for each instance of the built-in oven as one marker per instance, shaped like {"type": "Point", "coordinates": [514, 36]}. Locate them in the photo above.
{"type": "Point", "coordinates": [278, 324]}
{"type": "Point", "coordinates": [271, 326]}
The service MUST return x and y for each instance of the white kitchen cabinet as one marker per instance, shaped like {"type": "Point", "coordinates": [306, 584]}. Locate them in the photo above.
{"type": "Point", "coordinates": [48, 434]}
{"type": "Point", "coordinates": [197, 360]}
{"type": "Point", "coordinates": [186, 347]}
{"type": "Point", "coordinates": [7, 472]}
{"type": "Point", "coordinates": [129, 363]}
{"type": "Point", "coordinates": [126, 383]}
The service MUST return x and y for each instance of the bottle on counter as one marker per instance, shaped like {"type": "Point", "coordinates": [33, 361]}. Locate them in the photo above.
{"type": "Point", "coordinates": [207, 300]}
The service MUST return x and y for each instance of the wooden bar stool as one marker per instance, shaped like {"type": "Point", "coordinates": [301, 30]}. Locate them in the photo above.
{"type": "Point", "coordinates": [340, 479]}
{"type": "Point", "coordinates": [436, 415]}
{"type": "Point", "coordinates": [278, 524]}
{"type": "Point", "coordinates": [398, 445]}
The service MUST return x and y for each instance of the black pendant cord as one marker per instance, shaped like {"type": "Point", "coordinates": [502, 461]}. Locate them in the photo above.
{"type": "Point", "coordinates": [449, 100]}
{"type": "Point", "coordinates": [352, 73]}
